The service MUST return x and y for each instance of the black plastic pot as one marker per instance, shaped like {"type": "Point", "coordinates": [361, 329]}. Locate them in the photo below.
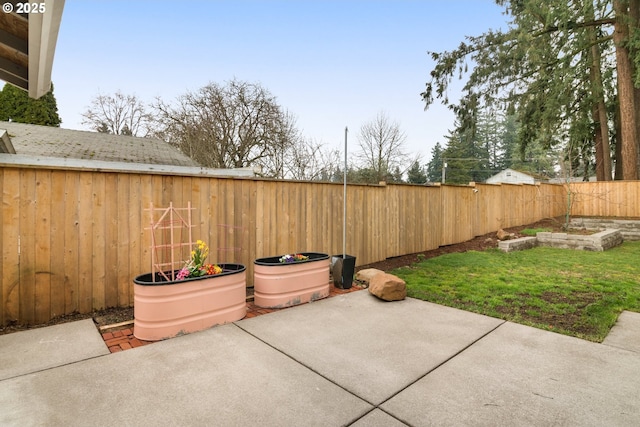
{"type": "Point", "coordinates": [149, 279]}
{"type": "Point", "coordinates": [342, 270]}
{"type": "Point", "coordinates": [275, 260]}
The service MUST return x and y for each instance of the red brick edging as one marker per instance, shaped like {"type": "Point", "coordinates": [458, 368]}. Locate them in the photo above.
{"type": "Point", "coordinates": [123, 339]}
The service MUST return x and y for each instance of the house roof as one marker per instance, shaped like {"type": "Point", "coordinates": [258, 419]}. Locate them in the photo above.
{"type": "Point", "coordinates": [28, 43]}
{"type": "Point", "coordinates": [521, 174]}
{"type": "Point", "coordinates": [47, 141]}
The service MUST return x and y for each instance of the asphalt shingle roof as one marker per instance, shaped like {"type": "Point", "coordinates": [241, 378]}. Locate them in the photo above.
{"type": "Point", "coordinates": [49, 141]}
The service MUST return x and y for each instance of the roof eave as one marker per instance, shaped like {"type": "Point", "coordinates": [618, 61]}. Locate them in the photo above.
{"type": "Point", "coordinates": [43, 35]}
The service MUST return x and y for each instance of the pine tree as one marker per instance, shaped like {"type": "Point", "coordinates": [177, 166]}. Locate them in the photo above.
{"type": "Point", "coordinates": [559, 67]}
{"type": "Point", "coordinates": [395, 175]}
{"type": "Point", "coordinates": [434, 167]}
{"type": "Point", "coordinates": [459, 159]}
{"type": "Point", "coordinates": [416, 174]}
{"type": "Point", "coordinates": [509, 148]}
{"type": "Point", "coordinates": [467, 157]}
{"type": "Point", "coordinates": [15, 105]}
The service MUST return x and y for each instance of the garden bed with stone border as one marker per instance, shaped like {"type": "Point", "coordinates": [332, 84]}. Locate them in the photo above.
{"type": "Point", "coordinates": [629, 228]}
{"type": "Point", "coordinates": [597, 242]}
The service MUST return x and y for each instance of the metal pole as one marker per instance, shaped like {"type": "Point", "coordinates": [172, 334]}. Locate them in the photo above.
{"type": "Point", "coordinates": [344, 199]}
{"type": "Point", "coordinates": [444, 168]}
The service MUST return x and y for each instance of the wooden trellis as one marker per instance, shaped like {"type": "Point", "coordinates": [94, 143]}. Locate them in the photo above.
{"type": "Point", "coordinates": [167, 253]}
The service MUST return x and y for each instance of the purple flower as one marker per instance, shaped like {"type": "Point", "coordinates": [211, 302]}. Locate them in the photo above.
{"type": "Point", "coordinates": [293, 258]}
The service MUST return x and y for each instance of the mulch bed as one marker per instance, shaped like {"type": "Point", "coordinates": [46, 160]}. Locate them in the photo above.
{"type": "Point", "coordinates": [479, 243]}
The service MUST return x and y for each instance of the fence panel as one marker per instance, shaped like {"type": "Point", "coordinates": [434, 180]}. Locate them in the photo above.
{"type": "Point", "coordinates": [73, 240]}
{"type": "Point", "coordinates": [10, 307]}
{"type": "Point", "coordinates": [488, 208]}
{"type": "Point", "coordinates": [609, 198]}
{"type": "Point", "coordinates": [457, 217]}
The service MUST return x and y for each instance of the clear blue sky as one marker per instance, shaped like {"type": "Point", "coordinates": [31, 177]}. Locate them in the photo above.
{"type": "Point", "coordinates": [330, 63]}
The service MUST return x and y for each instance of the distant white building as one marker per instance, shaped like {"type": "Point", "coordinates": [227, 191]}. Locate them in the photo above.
{"type": "Point", "coordinates": [510, 176]}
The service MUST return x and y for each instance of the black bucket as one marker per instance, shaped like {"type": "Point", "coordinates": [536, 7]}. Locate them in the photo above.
{"type": "Point", "coordinates": [342, 270]}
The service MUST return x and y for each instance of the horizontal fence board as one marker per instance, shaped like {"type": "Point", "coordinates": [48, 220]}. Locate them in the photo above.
{"type": "Point", "coordinates": [74, 240]}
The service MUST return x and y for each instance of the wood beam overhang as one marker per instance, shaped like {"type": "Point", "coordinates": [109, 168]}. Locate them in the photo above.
{"type": "Point", "coordinates": [14, 48]}
{"type": "Point", "coordinates": [27, 46]}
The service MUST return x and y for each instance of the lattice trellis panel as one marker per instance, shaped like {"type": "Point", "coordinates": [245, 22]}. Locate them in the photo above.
{"type": "Point", "coordinates": [170, 248]}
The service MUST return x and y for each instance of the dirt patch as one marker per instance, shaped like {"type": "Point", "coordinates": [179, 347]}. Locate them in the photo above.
{"type": "Point", "coordinates": [569, 320]}
{"type": "Point", "coordinates": [581, 231]}
{"type": "Point", "coordinates": [105, 317]}
{"type": "Point", "coordinates": [479, 243]}
{"type": "Point", "coordinates": [122, 314]}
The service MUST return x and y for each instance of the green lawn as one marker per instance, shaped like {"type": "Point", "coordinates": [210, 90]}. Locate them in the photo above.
{"type": "Point", "coordinates": [575, 293]}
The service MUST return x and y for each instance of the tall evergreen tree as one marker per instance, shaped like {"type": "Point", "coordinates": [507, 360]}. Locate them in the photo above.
{"type": "Point", "coordinates": [458, 160]}
{"type": "Point", "coordinates": [15, 105]}
{"type": "Point", "coordinates": [416, 174]}
{"type": "Point", "coordinates": [509, 148]}
{"type": "Point", "coordinates": [466, 156]}
{"type": "Point", "coordinates": [488, 141]}
{"type": "Point", "coordinates": [395, 175]}
{"type": "Point", "coordinates": [553, 67]}
{"type": "Point", "coordinates": [434, 167]}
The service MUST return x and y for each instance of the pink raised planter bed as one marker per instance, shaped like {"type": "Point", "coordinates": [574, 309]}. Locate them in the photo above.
{"type": "Point", "coordinates": [277, 284]}
{"type": "Point", "coordinates": [166, 309]}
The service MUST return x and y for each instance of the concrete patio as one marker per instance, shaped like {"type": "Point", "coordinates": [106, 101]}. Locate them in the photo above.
{"type": "Point", "coordinates": [347, 360]}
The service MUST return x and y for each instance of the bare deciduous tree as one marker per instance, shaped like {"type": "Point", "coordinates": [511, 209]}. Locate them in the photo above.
{"type": "Point", "coordinates": [275, 163]}
{"type": "Point", "coordinates": [118, 114]}
{"type": "Point", "coordinates": [239, 124]}
{"type": "Point", "coordinates": [308, 160]}
{"type": "Point", "coordinates": [381, 142]}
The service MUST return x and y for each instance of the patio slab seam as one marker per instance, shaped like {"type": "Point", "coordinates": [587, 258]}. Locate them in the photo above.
{"type": "Point", "coordinates": [444, 362]}
{"type": "Point", "coordinates": [373, 409]}
{"type": "Point", "coordinates": [51, 368]}
{"type": "Point", "coordinates": [355, 394]}
{"type": "Point", "coordinates": [303, 364]}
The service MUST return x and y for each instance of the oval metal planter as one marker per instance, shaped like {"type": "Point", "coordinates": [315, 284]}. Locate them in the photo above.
{"type": "Point", "coordinates": [277, 285]}
{"type": "Point", "coordinates": [166, 309]}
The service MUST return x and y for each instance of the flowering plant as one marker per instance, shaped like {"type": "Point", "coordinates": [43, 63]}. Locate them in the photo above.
{"type": "Point", "coordinates": [196, 267]}
{"type": "Point", "coordinates": [289, 258]}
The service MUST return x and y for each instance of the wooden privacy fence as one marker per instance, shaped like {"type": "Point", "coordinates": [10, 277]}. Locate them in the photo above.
{"type": "Point", "coordinates": [607, 198]}
{"type": "Point", "coordinates": [73, 240]}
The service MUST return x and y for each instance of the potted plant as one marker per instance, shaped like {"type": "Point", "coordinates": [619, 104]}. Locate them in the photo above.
{"type": "Point", "coordinates": [195, 297]}
{"type": "Point", "coordinates": [291, 279]}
